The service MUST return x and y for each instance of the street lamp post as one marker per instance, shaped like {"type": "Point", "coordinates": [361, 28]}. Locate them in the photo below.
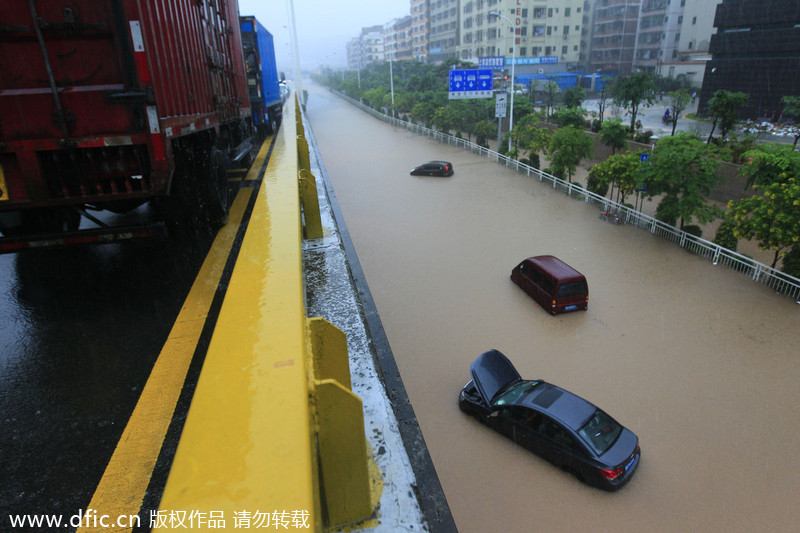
{"type": "Point", "coordinates": [495, 14]}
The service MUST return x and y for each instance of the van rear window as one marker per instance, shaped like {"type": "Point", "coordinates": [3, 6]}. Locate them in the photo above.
{"type": "Point", "coordinates": [576, 288]}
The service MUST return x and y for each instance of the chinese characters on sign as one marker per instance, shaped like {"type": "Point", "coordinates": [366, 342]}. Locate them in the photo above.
{"type": "Point", "coordinates": [492, 62]}
{"type": "Point", "coordinates": [501, 105]}
{"type": "Point", "coordinates": [544, 60]}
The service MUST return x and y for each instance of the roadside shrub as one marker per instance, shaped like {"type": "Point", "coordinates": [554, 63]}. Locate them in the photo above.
{"type": "Point", "coordinates": [791, 262]}
{"type": "Point", "coordinates": [534, 161]}
{"type": "Point", "coordinates": [667, 210]}
{"type": "Point", "coordinates": [643, 136]}
{"type": "Point", "coordinates": [692, 229]}
{"type": "Point", "coordinates": [596, 185]}
{"type": "Point", "coordinates": [725, 237]}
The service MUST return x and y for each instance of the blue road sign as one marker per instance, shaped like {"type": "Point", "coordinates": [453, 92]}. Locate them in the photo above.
{"type": "Point", "coordinates": [471, 83]}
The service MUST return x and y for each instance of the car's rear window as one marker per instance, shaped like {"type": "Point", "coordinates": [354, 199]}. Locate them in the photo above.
{"type": "Point", "coordinates": [600, 432]}
{"type": "Point", "coordinates": [576, 288]}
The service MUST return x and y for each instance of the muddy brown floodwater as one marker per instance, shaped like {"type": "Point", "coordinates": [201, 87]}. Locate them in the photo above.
{"type": "Point", "coordinates": [700, 362]}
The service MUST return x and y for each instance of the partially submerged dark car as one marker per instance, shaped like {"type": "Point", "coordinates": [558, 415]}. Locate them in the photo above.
{"type": "Point", "coordinates": [433, 168]}
{"type": "Point", "coordinates": [561, 427]}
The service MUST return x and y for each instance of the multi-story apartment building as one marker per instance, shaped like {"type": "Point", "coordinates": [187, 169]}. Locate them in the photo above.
{"type": "Point", "coordinates": [665, 37]}
{"type": "Point", "coordinates": [398, 40]}
{"type": "Point", "coordinates": [612, 38]}
{"type": "Point", "coordinates": [444, 30]}
{"type": "Point", "coordinates": [696, 28]}
{"type": "Point", "coordinates": [420, 28]}
{"type": "Point", "coordinates": [372, 43]}
{"type": "Point", "coordinates": [543, 35]}
{"type": "Point", "coordinates": [355, 55]}
{"type": "Point", "coordinates": [369, 47]}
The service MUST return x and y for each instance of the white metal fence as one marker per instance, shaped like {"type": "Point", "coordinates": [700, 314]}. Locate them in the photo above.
{"type": "Point", "coordinates": [759, 272]}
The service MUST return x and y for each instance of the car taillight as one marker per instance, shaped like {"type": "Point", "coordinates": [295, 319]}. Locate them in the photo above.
{"type": "Point", "coordinates": [611, 475]}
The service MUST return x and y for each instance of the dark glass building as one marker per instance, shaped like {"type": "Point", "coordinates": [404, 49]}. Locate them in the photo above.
{"type": "Point", "coordinates": [756, 50]}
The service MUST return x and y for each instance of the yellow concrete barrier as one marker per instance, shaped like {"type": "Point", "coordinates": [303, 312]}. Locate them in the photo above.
{"type": "Point", "coordinates": [312, 222]}
{"type": "Point", "coordinates": [273, 432]}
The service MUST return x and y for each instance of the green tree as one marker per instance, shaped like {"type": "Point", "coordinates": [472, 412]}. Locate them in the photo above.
{"type": "Point", "coordinates": [772, 218]}
{"type": "Point", "coordinates": [620, 170]}
{"type": "Point", "coordinates": [550, 91]}
{"type": "Point", "coordinates": [633, 92]}
{"type": "Point", "coordinates": [682, 168]}
{"type": "Point", "coordinates": [770, 163]}
{"type": "Point", "coordinates": [444, 119]}
{"type": "Point", "coordinates": [574, 97]}
{"type": "Point", "coordinates": [724, 109]}
{"type": "Point", "coordinates": [567, 116]}
{"type": "Point", "coordinates": [422, 113]}
{"type": "Point", "coordinates": [530, 136]}
{"type": "Point", "coordinates": [680, 99]}
{"type": "Point", "coordinates": [374, 97]}
{"type": "Point", "coordinates": [484, 131]}
{"type": "Point", "coordinates": [567, 147]}
{"type": "Point", "coordinates": [613, 134]}
{"type": "Point", "coordinates": [606, 93]}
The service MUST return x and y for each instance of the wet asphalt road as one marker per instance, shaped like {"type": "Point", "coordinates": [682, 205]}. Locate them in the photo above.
{"type": "Point", "coordinates": [79, 332]}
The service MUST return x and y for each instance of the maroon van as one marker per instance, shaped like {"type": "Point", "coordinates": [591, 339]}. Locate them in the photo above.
{"type": "Point", "coordinates": [555, 285]}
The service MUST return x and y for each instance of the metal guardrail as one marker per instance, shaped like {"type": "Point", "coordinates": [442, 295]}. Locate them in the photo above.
{"type": "Point", "coordinates": [775, 279]}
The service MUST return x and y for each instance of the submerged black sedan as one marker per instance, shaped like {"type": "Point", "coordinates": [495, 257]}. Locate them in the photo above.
{"type": "Point", "coordinates": [433, 168]}
{"type": "Point", "coordinates": [563, 428]}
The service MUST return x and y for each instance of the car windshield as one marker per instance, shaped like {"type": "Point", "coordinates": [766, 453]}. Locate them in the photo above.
{"type": "Point", "coordinates": [514, 393]}
{"type": "Point", "coordinates": [600, 432]}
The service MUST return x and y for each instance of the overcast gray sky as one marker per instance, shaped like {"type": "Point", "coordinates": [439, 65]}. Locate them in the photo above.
{"type": "Point", "coordinates": [323, 26]}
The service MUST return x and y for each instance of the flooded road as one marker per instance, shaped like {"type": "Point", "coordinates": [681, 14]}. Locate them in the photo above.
{"type": "Point", "coordinates": [699, 361]}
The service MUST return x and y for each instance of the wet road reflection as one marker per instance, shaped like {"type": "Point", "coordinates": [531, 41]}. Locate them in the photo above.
{"type": "Point", "coordinates": [700, 362]}
{"type": "Point", "coordinates": [80, 330]}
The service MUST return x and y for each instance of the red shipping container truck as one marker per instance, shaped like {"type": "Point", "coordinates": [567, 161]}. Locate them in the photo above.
{"type": "Point", "coordinates": [110, 104]}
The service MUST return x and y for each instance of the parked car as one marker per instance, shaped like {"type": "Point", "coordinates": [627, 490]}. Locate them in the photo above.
{"type": "Point", "coordinates": [433, 168]}
{"type": "Point", "coordinates": [561, 427]}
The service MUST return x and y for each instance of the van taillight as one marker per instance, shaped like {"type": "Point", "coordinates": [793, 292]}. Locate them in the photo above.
{"type": "Point", "coordinates": [554, 303]}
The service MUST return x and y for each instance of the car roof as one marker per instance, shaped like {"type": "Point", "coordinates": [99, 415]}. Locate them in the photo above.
{"type": "Point", "coordinates": [437, 163]}
{"type": "Point", "coordinates": [492, 371]}
{"type": "Point", "coordinates": [555, 266]}
{"type": "Point", "coordinates": [566, 407]}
